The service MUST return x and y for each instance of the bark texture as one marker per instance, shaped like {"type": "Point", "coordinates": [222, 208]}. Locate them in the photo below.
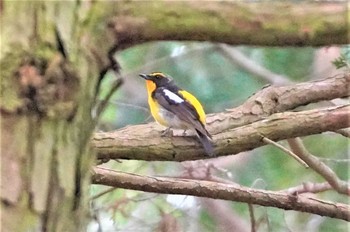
{"type": "Point", "coordinates": [258, 23]}
{"type": "Point", "coordinates": [239, 129]}
{"type": "Point", "coordinates": [44, 148]}
{"type": "Point", "coordinates": [202, 188]}
{"type": "Point", "coordinates": [46, 121]}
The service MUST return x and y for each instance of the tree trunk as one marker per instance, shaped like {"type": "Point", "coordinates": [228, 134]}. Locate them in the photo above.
{"type": "Point", "coordinates": [46, 122]}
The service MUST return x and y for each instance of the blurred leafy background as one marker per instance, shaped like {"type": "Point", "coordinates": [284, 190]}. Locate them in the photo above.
{"type": "Point", "coordinates": [219, 83]}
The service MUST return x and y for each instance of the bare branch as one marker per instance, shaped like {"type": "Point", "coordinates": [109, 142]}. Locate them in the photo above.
{"type": "Point", "coordinates": [288, 152]}
{"type": "Point", "coordinates": [223, 191]}
{"type": "Point", "coordinates": [298, 147]}
{"type": "Point", "coordinates": [102, 105]}
{"type": "Point", "coordinates": [229, 22]}
{"type": "Point", "coordinates": [240, 59]}
{"type": "Point", "coordinates": [334, 160]}
{"type": "Point", "coordinates": [274, 99]}
{"type": "Point", "coordinates": [308, 187]}
{"type": "Point", "coordinates": [252, 218]}
{"type": "Point", "coordinates": [147, 144]}
{"type": "Point", "coordinates": [143, 142]}
{"type": "Point", "coordinates": [102, 193]}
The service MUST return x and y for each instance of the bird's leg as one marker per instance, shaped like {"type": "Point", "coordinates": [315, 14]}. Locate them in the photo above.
{"type": "Point", "coordinates": [167, 132]}
{"type": "Point", "coordinates": [184, 132]}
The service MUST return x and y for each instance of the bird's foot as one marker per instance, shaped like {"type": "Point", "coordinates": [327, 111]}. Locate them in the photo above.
{"type": "Point", "coordinates": [167, 132]}
{"type": "Point", "coordinates": [184, 133]}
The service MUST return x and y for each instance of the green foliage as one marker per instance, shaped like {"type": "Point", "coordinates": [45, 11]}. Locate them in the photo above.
{"type": "Point", "coordinates": [288, 61]}
{"type": "Point", "coordinates": [342, 61]}
{"type": "Point", "coordinates": [207, 222]}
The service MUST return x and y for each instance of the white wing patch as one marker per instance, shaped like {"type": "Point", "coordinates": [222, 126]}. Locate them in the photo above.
{"type": "Point", "coordinates": [172, 96]}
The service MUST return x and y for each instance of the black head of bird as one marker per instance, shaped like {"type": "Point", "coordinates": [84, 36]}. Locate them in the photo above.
{"type": "Point", "coordinates": [158, 78]}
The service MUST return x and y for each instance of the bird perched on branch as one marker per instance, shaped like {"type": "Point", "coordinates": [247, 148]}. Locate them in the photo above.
{"type": "Point", "coordinates": [176, 108]}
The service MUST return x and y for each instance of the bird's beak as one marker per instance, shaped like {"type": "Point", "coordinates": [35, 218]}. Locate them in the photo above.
{"type": "Point", "coordinates": [145, 76]}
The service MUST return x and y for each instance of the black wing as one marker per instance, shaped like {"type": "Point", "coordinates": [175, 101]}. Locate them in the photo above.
{"type": "Point", "coordinates": [180, 107]}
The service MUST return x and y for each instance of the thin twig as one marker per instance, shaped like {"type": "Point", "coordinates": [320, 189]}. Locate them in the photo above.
{"type": "Point", "coordinates": [188, 53]}
{"type": "Point", "coordinates": [144, 109]}
{"type": "Point", "coordinates": [102, 105]}
{"type": "Point", "coordinates": [60, 44]}
{"type": "Point", "coordinates": [308, 187]}
{"type": "Point", "coordinates": [252, 218]}
{"type": "Point", "coordinates": [102, 193]}
{"type": "Point", "coordinates": [240, 59]}
{"type": "Point", "coordinates": [334, 160]}
{"type": "Point", "coordinates": [105, 66]}
{"type": "Point", "coordinates": [318, 166]}
{"type": "Point", "coordinates": [289, 152]}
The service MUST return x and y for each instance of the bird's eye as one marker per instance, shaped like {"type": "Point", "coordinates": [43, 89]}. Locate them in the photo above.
{"type": "Point", "coordinates": [157, 76]}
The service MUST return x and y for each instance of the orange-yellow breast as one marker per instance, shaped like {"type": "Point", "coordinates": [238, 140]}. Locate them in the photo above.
{"type": "Point", "coordinates": [153, 105]}
{"type": "Point", "coordinates": [157, 110]}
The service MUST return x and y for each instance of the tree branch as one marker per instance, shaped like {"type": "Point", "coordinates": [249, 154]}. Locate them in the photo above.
{"type": "Point", "coordinates": [238, 58]}
{"type": "Point", "coordinates": [231, 23]}
{"type": "Point", "coordinates": [285, 150]}
{"type": "Point", "coordinates": [274, 99]}
{"type": "Point", "coordinates": [144, 142]}
{"type": "Point", "coordinates": [223, 191]}
{"type": "Point", "coordinates": [308, 187]}
{"type": "Point", "coordinates": [318, 166]}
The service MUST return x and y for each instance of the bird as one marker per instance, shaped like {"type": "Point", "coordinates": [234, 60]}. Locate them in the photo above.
{"type": "Point", "coordinates": [176, 108]}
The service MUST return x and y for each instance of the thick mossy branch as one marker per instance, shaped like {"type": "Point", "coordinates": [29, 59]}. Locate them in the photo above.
{"type": "Point", "coordinates": [256, 23]}
{"type": "Point", "coordinates": [239, 129]}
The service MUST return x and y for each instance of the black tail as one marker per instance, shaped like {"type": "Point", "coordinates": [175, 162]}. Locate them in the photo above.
{"type": "Point", "coordinates": [205, 141]}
